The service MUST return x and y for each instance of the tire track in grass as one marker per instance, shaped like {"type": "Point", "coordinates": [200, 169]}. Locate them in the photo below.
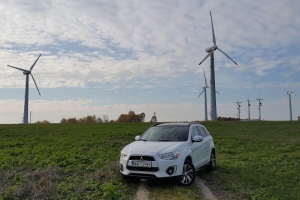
{"type": "Point", "coordinates": [142, 193]}
{"type": "Point", "coordinates": [205, 191]}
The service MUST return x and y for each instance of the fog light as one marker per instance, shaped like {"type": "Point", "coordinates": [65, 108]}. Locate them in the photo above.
{"type": "Point", "coordinates": [171, 170]}
{"type": "Point", "coordinates": [121, 168]}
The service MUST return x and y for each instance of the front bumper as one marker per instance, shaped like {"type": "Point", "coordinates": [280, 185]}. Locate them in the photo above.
{"type": "Point", "coordinates": [160, 168]}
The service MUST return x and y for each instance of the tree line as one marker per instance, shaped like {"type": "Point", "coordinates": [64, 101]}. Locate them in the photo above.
{"type": "Point", "coordinates": [92, 119]}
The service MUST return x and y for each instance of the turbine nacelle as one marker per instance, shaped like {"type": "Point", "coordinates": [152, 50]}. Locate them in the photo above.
{"type": "Point", "coordinates": [291, 93]}
{"type": "Point", "coordinates": [26, 72]}
{"type": "Point", "coordinates": [213, 48]}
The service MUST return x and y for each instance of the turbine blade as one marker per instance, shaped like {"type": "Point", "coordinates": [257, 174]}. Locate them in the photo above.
{"type": "Point", "coordinates": [283, 98]}
{"type": "Point", "coordinates": [201, 93]}
{"type": "Point", "coordinates": [212, 28]}
{"type": "Point", "coordinates": [24, 70]}
{"type": "Point", "coordinates": [204, 77]}
{"type": "Point", "coordinates": [34, 62]}
{"type": "Point", "coordinates": [217, 92]}
{"type": "Point", "coordinates": [227, 56]}
{"type": "Point", "coordinates": [286, 84]}
{"type": "Point", "coordinates": [206, 57]}
{"type": "Point", "coordinates": [35, 84]}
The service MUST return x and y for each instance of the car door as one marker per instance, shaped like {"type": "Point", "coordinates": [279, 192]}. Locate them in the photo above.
{"type": "Point", "coordinates": [197, 149]}
{"type": "Point", "coordinates": [205, 144]}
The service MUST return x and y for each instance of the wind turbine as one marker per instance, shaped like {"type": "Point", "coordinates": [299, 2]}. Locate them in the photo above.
{"type": "Point", "coordinates": [210, 52]}
{"type": "Point", "coordinates": [205, 98]}
{"type": "Point", "coordinates": [259, 105]}
{"type": "Point", "coordinates": [249, 108]}
{"type": "Point", "coordinates": [239, 109]}
{"type": "Point", "coordinates": [290, 100]}
{"type": "Point", "coordinates": [27, 72]}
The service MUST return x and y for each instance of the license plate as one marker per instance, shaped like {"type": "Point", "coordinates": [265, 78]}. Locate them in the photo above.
{"type": "Point", "coordinates": [141, 163]}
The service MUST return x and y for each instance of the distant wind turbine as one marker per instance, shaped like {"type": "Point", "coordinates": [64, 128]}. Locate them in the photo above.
{"type": "Point", "coordinates": [290, 100]}
{"type": "Point", "coordinates": [239, 109]}
{"type": "Point", "coordinates": [259, 109]}
{"type": "Point", "coordinates": [205, 97]}
{"type": "Point", "coordinates": [27, 72]}
{"type": "Point", "coordinates": [249, 108]}
{"type": "Point", "coordinates": [210, 52]}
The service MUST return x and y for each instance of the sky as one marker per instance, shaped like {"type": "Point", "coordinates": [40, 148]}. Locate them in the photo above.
{"type": "Point", "coordinates": [107, 57]}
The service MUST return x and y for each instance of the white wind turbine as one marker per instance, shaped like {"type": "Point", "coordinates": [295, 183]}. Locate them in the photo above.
{"type": "Point", "coordinates": [290, 100]}
{"type": "Point", "coordinates": [27, 72]}
{"type": "Point", "coordinates": [210, 52]}
{"type": "Point", "coordinates": [205, 98]}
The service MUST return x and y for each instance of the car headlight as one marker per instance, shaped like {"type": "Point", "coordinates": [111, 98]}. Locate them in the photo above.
{"type": "Point", "coordinates": [169, 156]}
{"type": "Point", "coordinates": [124, 155]}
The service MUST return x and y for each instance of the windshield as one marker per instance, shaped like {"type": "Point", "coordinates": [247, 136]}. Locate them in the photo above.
{"type": "Point", "coordinates": [166, 133]}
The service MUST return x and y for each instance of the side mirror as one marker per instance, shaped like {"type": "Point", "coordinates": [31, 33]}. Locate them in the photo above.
{"type": "Point", "coordinates": [197, 138]}
{"type": "Point", "coordinates": [137, 138]}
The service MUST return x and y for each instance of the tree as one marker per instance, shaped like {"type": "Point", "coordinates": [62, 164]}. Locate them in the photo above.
{"type": "Point", "coordinates": [71, 120]}
{"type": "Point", "coordinates": [98, 120]}
{"type": "Point", "coordinates": [63, 121]}
{"type": "Point", "coordinates": [131, 117]}
{"type": "Point", "coordinates": [42, 122]}
{"type": "Point", "coordinates": [142, 117]}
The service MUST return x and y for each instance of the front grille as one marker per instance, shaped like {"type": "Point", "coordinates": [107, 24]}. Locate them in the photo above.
{"type": "Point", "coordinates": [144, 169]}
{"type": "Point", "coordinates": [146, 158]}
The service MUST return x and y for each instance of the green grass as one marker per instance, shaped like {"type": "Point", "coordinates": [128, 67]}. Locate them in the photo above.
{"type": "Point", "coordinates": [64, 161]}
{"type": "Point", "coordinates": [256, 160]}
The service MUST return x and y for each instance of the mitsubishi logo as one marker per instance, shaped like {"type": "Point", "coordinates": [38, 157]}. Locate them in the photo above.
{"type": "Point", "coordinates": [141, 158]}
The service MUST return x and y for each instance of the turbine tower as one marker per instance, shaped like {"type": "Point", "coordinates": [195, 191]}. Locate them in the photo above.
{"type": "Point", "coordinates": [239, 109]}
{"type": "Point", "coordinates": [27, 72]}
{"type": "Point", "coordinates": [248, 108]}
{"type": "Point", "coordinates": [259, 105]}
{"type": "Point", "coordinates": [290, 100]}
{"type": "Point", "coordinates": [210, 52]}
{"type": "Point", "coordinates": [205, 98]}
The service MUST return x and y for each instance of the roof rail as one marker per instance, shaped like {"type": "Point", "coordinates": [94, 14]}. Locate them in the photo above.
{"type": "Point", "coordinates": [157, 123]}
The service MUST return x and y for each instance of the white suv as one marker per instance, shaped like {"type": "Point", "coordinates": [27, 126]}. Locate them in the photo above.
{"type": "Point", "coordinates": [169, 150]}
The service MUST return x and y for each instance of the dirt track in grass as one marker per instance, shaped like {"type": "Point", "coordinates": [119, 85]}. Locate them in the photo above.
{"type": "Point", "coordinates": [143, 193]}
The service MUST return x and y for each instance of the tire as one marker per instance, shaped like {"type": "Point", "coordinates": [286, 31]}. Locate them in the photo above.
{"type": "Point", "coordinates": [188, 174]}
{"type": "Point", "coordinates": [213, 162]}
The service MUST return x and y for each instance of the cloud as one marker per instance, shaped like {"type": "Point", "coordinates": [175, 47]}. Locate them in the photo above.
{"type": "Point", "coordinates": [148, 45]}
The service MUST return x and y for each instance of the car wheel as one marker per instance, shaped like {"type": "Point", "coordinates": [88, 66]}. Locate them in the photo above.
{"type": "Point", "coordinates": [212, 163]}
{"type": "Point", "coordinates": [188, 174]}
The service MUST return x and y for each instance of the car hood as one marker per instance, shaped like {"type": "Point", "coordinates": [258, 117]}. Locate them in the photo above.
{"type": "Point", "coordinates": [151, 147]}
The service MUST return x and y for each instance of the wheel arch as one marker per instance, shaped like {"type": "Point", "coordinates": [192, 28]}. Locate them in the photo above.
{"type": "Point", "coordinates": [213, 150]}
{"type": "Point", "coordinates": [189, 158]}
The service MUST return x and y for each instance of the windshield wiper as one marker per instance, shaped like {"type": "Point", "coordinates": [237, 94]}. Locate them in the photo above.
{"type": "Point", "coordinates": [143, 139]}
{"type": "Point", "coordinates": [164, 140]}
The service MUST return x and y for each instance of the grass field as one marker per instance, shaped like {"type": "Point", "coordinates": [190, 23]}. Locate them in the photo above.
{"type": "Point", "coordinates": [256, 160]}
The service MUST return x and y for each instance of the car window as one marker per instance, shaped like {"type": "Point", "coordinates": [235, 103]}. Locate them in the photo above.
{"type": "Point", "coordinates": [202, 132]}
{"type": "Point", "coordinates": [194, 131]}
{"type": "Point", "coordinates": [207, 133]}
